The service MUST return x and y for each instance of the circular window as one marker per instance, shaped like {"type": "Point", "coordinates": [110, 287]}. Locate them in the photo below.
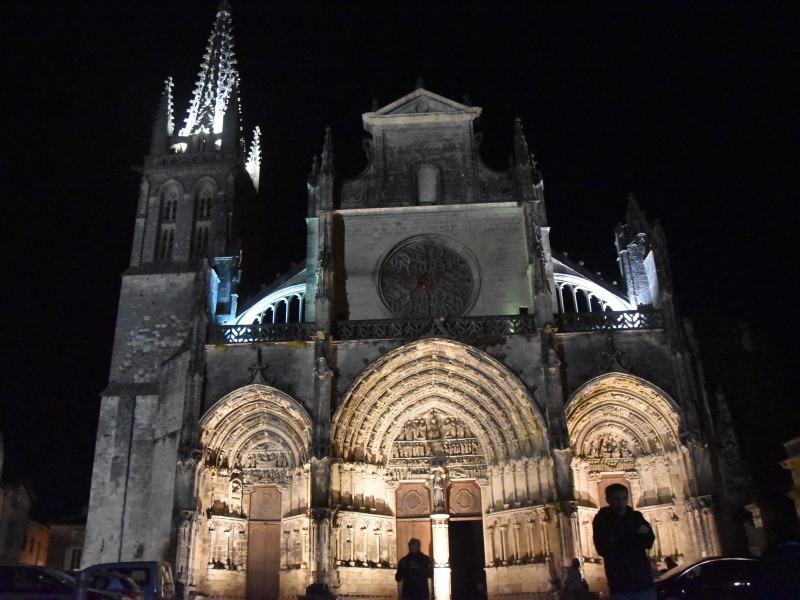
{"type": "Point", "coordinates": [428, 277]}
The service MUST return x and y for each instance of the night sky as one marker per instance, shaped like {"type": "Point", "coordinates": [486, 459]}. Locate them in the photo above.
{"type": "Point", "coordinates": [692, 106]}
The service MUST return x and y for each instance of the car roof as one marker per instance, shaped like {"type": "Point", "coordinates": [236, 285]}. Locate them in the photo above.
{"type": "Point", "coordinates": [686, 566]}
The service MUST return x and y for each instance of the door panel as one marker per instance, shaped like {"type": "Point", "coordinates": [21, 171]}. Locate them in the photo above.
{"type": "Point", "coordinates": [264, 544]}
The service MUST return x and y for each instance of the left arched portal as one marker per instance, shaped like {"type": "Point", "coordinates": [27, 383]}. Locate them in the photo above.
{"type": "Point", "coordinates": [255, 445]}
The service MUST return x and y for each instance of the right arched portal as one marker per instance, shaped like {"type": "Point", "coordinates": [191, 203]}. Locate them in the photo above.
{"type": "Point", "coordinates": [626, 430]}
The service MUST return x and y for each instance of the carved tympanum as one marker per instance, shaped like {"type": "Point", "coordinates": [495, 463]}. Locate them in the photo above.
{"type": "Point", "coordinates": [435, 438]}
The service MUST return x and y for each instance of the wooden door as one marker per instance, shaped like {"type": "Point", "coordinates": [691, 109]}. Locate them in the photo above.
{"type": "Point", "coordinates": [264, 544]}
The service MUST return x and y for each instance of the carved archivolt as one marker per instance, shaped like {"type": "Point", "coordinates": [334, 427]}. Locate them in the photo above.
{"type": "Point", "coordinates": [455, 385]}
{"type": "Point", "coordinates": [621, 417]}
{"type": "Point", "coordinates": [257, 431]}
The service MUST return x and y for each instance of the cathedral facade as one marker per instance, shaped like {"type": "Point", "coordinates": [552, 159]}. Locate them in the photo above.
{"type": "Point", "coordinates": [432, 370]}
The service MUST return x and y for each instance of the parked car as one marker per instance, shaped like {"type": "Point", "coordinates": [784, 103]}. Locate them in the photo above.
{"type": "Point", "coordinates": [154, 578]}
{"type": "Point", "coordinates": [713, 578]}
{"type": "Point", "coordinates": [27, 582]}
{"type": "Point", "coordinates": [122, 586]}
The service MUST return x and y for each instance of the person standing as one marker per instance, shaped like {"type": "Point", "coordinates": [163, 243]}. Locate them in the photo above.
{"type": "Point", "coordinates": [574, 583]}
{"type": "Point", "coordinates": [622, 537]}
{"type": "Point", "coordinates": [779, 568]}
{"type": "Point", "coordinates": [414, 570]}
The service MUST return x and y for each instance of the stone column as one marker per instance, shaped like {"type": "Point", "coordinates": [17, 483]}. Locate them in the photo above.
{"type": "Point", "coordinates": [321, 560]}
{"type": "Point", "coordinates": [441, 557]}
{"type": "Point", "coordinates": [637, 493]}
{"type": "Point", "coordinates": [491, 556]}
{"type": "Point", "coordinates": [351, 543]}
{"type": "Point", "coordinates": [305, 552]}
{"type": "Point", "coordinates": [517, 552]}
{"type": "Point", "coordinates": [286, 543]}
{"type": "Point", "coordinates": [503, 545]}
{"type": "Point", "coordinates": [377, 533]}
{"type": "Point", "coordinates": [562, 463]}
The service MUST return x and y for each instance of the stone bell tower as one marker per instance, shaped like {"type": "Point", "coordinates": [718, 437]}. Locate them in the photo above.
{"type": "Point", "coordinates": [184, 271]}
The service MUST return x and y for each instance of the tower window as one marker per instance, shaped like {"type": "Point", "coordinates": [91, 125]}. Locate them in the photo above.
{"type": "Point", "coordinates": [169, 205]}
{"type": "Point", "coordinates": [200, 242]}
{"type": "Point", "coordinates": [170, 209]}
{"type": "Point", "coordinates": [166, 242]}
{"type": "Point", "coordinates": [204, 203]}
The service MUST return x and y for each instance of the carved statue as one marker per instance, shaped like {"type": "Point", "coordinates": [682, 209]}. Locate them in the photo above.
{"type": "Point", "coordinates": [439, 482]}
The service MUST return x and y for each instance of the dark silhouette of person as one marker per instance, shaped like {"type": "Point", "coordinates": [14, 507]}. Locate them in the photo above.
{"type": "Point", "coordinates": [414, 570]}
{"type": "Point", "coordinates": [778, 575]}
{"type": "Point", "coordinates": [574, 583]}
{"type": "Point", "coordinates": [622, 537]}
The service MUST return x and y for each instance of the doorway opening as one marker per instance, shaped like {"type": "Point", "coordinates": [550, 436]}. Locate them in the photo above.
{"type": "Point", "coordinates": [467, 577]}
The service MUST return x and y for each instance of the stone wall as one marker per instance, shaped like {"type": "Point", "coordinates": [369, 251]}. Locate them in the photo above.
{"type": "Point", "coordinates": [490, 237]}
{"type": "Point", "coordinates": [155, 311]}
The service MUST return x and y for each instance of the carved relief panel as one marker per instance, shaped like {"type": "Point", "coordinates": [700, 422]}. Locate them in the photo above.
{"type": "Point", "coordinates": [465, 499]}
{"type": "Point", "coordinates": [413, 500]}
{"type": "Point", "coordinates": [436, 439]}
{"type": "Point", "coordinates": [265, 461]}
{"type": "Point", "coordinates": [265, 503]}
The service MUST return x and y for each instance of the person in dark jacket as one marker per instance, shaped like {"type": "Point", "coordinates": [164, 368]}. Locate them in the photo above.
{"type": "Point", "coordinates": [414, 570]}
{"type": "Point", "coordinates": [779, 567]}
{"type": "Point", "coordinates": [622, 537]}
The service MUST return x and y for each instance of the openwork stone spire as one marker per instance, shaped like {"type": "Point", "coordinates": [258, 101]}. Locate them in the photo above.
{"type": "Point", "coordinates": [521, 154]}
{"type": "Point", "coordinates": [164, 124]}
{"type": "Point", "coordinates": [216, 80]}
{"type": "Point", "coordinates": [167, 106]}
{"type": "Point", "coordinates": [253, 164]}
{"type": "Point", "coordinates": [327, 152]}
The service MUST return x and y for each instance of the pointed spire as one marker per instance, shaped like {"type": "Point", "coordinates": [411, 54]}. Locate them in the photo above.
{"type": "Point", "coordinates": [216, 80]}
{"type": "Point", "coordinates": [253, 164]}
{"type": "Point", "coordinates": [164, 124]}
{"type": "Point", "coordinates": [636, 218]}
{"type": "Point", "coordinates": [521, 155]}
{"type": "Point", "coordinates": [167, 105]}
{"type": "Point", "coordinates": [327, 152]}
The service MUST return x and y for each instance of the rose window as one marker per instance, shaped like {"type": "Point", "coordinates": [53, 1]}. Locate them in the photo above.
{"type": "Point", "coordinates": [424, 278]}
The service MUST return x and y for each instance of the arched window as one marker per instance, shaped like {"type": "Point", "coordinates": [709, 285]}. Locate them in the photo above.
{"type": "Point", "coordinates": [169, 205]}
{"type": "Point", "coordinates": [583, 301]}
{"type": "Point", "coordinates": [282, 312]}
{"type": "Point", "coordinates": [295, 310]}
{"type": "Point", "coordinates": [166, 242]}
{"type": "Point", "coordinates": [200, 241]}
{"type": "Point", "coordinates": [204, 202]}
{"type": "Point", "coordinates": [167, 215]}
{"type": "Point", "coordinates": [568, 296]}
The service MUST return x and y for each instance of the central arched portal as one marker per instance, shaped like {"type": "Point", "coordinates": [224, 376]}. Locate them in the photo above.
{"type": "Point", "coordinates": [430, 439]}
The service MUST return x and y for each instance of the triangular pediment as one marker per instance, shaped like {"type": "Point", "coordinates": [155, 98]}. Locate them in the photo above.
{"type": "Point", "coordinates": [420, 107]}
{"type": "Point", "coordinates": [422, 101]}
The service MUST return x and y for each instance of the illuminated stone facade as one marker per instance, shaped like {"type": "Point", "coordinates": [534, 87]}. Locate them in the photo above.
{"type": "Point", "coordinates": [433, 370]}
